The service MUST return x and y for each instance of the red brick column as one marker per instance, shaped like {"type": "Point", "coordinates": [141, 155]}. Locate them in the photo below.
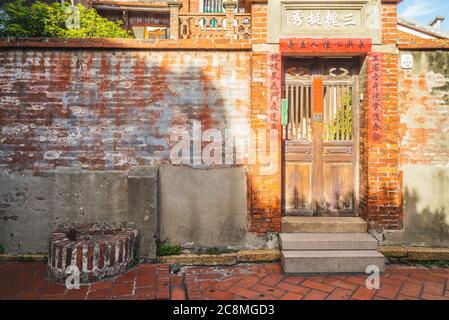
{"type": "Point", "coordinates": [381, 192]}
{"type": "Point", "coordinates": [259, 21]}
{"type": "Point", "coordinates": [264, 184]}
{"type": "Point", "coordinates": [264, 181]}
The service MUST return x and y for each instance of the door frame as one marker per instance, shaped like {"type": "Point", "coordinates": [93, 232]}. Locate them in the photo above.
{"type": "Point", "coordinates": [356, 128]}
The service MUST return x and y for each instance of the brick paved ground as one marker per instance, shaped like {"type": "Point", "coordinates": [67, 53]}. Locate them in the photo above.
{"type": "Point", "coordinates": [261, 281]}
{"type": "Point", "coordinates": [29, 281]}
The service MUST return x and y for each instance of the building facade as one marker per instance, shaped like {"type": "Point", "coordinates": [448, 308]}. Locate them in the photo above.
{"type": "Point", "coordinates": [228, 118]}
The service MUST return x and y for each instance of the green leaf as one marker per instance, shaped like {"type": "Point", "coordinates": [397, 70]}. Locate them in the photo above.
{"type": "Point", "coordinates": [49, 20]}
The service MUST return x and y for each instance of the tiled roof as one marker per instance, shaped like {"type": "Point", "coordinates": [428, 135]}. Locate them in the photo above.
{"type": "Point", "coordinates": [423, 28]}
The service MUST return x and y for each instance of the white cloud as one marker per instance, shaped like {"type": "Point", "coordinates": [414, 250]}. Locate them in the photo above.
{"type": "Point", "coordinates": [419, 8]}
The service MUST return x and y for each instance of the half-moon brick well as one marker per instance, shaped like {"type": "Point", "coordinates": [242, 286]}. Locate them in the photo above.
{"type": "Point", "coordinates": [99, 252]}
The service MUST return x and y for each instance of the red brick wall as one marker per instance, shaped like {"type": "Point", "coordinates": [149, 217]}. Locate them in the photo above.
{"type": "Point", "coordinates": [390, 31]}
{"type": "Point", "coordinates": [381, 194]}
{"type": "Point", "coordinates": [110, 109]}
{"type": "Point", "coordinates": [259, 14]}
{"type": "Point", "coordinates": [185, 8]}
{"type": "Point", "coordinates": [265, 186]}
{"type": "Point", "coordinates": [380, 178]}
{"type": "Point", "coordinates": [384, 179]}
{"type": "Point", "coordinates": [363, 140]}
{"type": "Point", "coordinates": [194, 6]}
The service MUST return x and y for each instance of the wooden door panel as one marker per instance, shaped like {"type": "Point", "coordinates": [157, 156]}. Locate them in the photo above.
{"type": "Point", "coordinates": [338, 188]}
{"type": "Point", "coordinates": [298, 191]}
{"type": "Point", "coordinates": [319, 140]}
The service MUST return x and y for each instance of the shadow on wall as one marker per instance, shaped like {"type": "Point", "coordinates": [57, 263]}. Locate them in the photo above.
{"type": "Point", "coordinates": [424, 225]}
{"type": "Point", "coordinates": [426, 211]}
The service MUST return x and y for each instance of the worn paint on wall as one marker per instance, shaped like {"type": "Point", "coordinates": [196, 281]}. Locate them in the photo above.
{"type": "Point", "coordinates": [102, 109]}
{"type": "Point", "coordinates": [424, 110]}
{"type": "Point", "coordinates": [424, 150]}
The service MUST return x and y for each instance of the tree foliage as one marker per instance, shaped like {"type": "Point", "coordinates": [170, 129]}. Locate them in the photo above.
{"type": "Point", "coordinates": [51, 20]}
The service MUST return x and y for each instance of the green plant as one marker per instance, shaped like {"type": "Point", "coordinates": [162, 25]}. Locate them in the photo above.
{"type": "Point", "coordinates": [25, 259]}
{"type": "Point", "coordinates": [136, 258]}
{"type": "Point", "coordinates": [433, 263]}
{"type": "Point", "coordinates": [166, 249]}
{"type": "Point", "coordinates": [218, 251]}
{"type": "Point", "coordinates": [340, 128]}
{"type": "Point", "coordinates": [49, 20]}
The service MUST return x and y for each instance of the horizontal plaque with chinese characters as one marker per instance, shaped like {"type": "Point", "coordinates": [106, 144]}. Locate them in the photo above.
{"type": "Point", "coordinates": [324, 19]}
{"type": "Point", "coordinates": [325, 46]}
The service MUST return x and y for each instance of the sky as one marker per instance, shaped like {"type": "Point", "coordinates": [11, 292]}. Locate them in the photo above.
{"type": "Point", "coordinates": [425, 11]}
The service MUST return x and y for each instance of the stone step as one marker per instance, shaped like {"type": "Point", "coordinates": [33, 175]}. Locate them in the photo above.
{"type": "Point", "coordinates": [301, 262]}
{"type": "Point", "coordinates": [323, 225]}
{"type": "Point", "coordinates": [327, 241]}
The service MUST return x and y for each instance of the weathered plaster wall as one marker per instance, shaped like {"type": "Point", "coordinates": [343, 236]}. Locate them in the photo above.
{"type": "Point", "coordinates": [424, 108]}
{"type": "Point", "coordinates": [32, 207]}
{"type": "Point", "coordinates": [205, 208]}
{"type": "Point", "coordinates": [110, 109]}
{"type": "Point", "coordinates": [192, 207]}
{"type": "Point", "coordinates": [426, 207]}
{"type": "Point", "coordinates": [424, 150]}
{"type": "Point", "coordinates": [74, 121]}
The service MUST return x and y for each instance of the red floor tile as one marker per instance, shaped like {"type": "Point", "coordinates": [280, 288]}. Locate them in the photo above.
{"type": "Point", "coordinates": [258, 282]}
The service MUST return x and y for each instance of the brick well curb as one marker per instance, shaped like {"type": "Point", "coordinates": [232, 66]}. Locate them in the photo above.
{"type": "Point", "coordinates": [98, 253]}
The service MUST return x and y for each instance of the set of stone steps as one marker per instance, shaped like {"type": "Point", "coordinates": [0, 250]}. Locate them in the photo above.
{"type": "Point", "coordinates": [327, 245]}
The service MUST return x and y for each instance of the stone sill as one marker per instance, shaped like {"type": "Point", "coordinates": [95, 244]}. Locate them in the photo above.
{"type": "Point", "coordinates": [243, 256]}
{"type": "Point", "coordinates": [248, 256]}
{"type": "Point", "coordinates": [106, 43]}
{"type": "Point", "coordinates": [415, 253]}
{"type": "Point", "coordinates": [23, 257]}
{"type": "Point", "coordinates": [228, 259]}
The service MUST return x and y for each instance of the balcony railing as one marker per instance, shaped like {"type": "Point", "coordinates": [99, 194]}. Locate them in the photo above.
{"type": "Point", "coordinates": [227, 25]}
{"type": "Point", "coordinates": [215, 26]}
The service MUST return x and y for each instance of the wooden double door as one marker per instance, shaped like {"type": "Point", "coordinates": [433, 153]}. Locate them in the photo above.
{"type": "Point", "coordinates": [320, 140]}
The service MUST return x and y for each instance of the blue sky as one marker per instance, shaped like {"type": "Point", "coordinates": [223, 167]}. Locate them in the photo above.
{"type": "Point", "coordinates": [425, 10]}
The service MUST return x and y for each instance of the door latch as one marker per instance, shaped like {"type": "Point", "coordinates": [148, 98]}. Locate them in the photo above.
{"type": "Point", "coordinates": [318, 117]}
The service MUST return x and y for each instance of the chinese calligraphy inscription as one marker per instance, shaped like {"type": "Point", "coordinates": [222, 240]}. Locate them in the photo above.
{"type": "Point", "coordinates": [375, 97]}
{"type": "Point", "coordinates": [274, 89]}
{"type": "Point", "coordinates": [334, 45]}
{"type": "Point", "coordinates": [327, 19]}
